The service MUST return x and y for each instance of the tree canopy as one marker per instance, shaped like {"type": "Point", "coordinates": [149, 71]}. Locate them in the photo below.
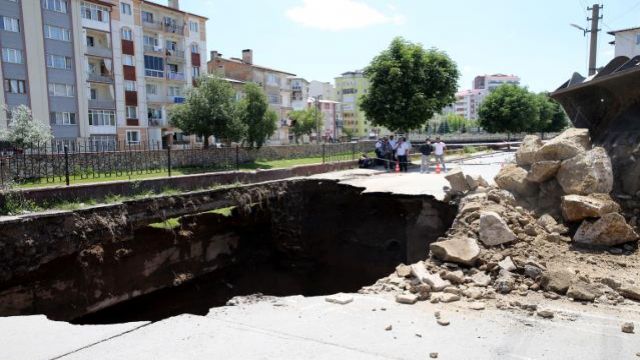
{"type": "Point", "coordinates": [209, 109]}
{"type": "Point", "coordinates": [305, 122]}
{"type": "Point", "coordinates": [24, 129]}
{"type": "Point", "coordinates": [408, 85]}
{"type": "Point", "coordinates": [259, 121]}
{"type": "Point", "coordinates": [511, 108]}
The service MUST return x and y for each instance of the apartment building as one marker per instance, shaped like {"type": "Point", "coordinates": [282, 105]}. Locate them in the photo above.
{"type": "Point", "coordinates": [468, 102]}
{"type": "Point", "coordinates": [350, 86]}
{"type": "Point", "coordinates": [104, 70]}
{"type": "Point", "coordinates": [276, 85]}
{"type": "Point", "coordinates": [491, 82]}
{"type": "Point", "coordinates": [323, 90]}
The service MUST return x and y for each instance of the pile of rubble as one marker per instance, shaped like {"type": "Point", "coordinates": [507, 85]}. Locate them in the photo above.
{"type": "Point", "coordinates": [549, 227]}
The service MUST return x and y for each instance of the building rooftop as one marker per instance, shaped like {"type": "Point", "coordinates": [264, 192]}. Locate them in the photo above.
{"type": "Point", "coordinates": [351, 73]}
{"type": "Point", "coordinates": [613, 32]}
{"type": "Point", "coordinates": [239, 61]}
{"type": "Point", "coordinates": [152, 3]}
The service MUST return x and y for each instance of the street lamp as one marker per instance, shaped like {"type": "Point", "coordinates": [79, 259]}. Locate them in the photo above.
{"type": "Point", "coordinates": [585, 31]}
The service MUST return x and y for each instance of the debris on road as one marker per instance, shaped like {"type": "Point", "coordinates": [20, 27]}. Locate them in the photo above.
{"type": "Point", "coordinates": [628, 327]}
{"type": "Point", "coordinates": [340, 298]}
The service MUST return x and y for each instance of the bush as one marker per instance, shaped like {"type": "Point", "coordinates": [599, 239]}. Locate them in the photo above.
{"type": "Point", "coordinates": [470, 149]}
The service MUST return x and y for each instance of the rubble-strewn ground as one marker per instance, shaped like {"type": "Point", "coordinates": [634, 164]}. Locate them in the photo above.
{"type": "Point", "coordinates": [514, 244]}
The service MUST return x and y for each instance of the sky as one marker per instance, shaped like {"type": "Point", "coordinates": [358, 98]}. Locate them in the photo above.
{"type": "Point", "coordinates": [320, 39]}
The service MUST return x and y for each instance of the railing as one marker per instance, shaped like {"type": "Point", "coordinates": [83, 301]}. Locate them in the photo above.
{"type": "Point", "coordinates": [175, 76]}
{"type": "Point", "coordinates": [154, 73]}
{"type": "Point", "coordinates": [157, 25]}
{"type": "Point", "coordinates": [102, 104]}
{"type": "Point", "coordinates": [173, 29]}
{"type": "Point", "coordinates": [153, 49]}
{"type": "Point", "coordinates": [176, 55]}
{"type": "Point", "coordinates": [156, 122]}
{"type": "Point", "coordinates": [59, 162]}
{"type": "Point", "coordinates": [100, 78]}
{"type": "Point", "coordinates": [99, 51]}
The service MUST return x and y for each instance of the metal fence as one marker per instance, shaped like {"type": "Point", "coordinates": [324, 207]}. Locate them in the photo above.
{"type": "Point", "coordinates": [79, 161]}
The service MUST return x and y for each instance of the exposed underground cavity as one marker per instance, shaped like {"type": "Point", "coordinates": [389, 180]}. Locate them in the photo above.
{"type": "Point", "coordinates": [305, 238]}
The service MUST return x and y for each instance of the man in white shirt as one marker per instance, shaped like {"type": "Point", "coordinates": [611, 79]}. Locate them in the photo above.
{"type": "Point", "coordinates": [394, 145]}
{"type": "Point", "coordinates": [402, 151]}
{"type": "Point", "coordinates": [439, 149]}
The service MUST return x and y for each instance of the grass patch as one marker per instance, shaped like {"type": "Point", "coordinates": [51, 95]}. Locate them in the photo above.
{"type": "Point", "coordinates": [470, 149]}
{"type": "Point", "coordinates": [168, 224]}
{"type": "Point", "coordinates": [226, 212]}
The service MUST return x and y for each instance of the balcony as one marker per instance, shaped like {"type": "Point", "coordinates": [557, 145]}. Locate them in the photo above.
{"type": "Point", "coordinates": [177, 99]}
{"type": "Point", "coordinates": [101, 78]}
{"type": "Point", "coordinates": [102, 104]}
{"type": "Point", "coordinates": [175, 55]}
{"type": "Point", "coordinates": [173, 28]}
{"type": "Point", "coordinates": [176, 76]}
{"type": "Point", "coordinates": [157, 122]}
{"type": "Point", "coordinates": [155, 25]}
{"type": "Point", "coordinates": [99, 51]}
{"type": "Point", "coordinates": [156, 50]}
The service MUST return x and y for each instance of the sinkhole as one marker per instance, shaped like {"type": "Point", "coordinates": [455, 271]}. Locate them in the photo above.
{"type": "Point", "coordinates": [308, 238]}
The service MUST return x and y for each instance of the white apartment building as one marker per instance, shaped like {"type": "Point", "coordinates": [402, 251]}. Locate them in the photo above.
{"type": "Point", "coordinates": [322, 90]}
{"type": "Point", "coordinates": [627, 42]}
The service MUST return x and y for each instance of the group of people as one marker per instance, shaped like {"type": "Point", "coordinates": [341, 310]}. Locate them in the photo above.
{"type": "Point", "coordinates": [390, 152]}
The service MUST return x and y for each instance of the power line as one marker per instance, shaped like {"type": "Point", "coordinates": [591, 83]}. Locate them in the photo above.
{"type": "Point", "coordinates": [625, 13]}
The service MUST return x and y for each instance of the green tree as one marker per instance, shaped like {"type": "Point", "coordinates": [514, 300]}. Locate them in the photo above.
{"type": "Point", "coordinates": [209, 109]}
{"type": "Point", "coordinates": [552, 115]}
{"type": "Point", "coordinates": [260, 121]}
{"type": "Point", "coordinates": [305, 122]}
{"type": "Point", "coordinates": [510, 108]}
{"type": "Point", "coordinates": [408, 85]}
{"type": "Point", "coordinates": [24, 129]}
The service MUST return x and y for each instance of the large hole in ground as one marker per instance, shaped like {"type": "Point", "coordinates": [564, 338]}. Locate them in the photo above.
{"type": "Point", "coordinates": [310, 238]}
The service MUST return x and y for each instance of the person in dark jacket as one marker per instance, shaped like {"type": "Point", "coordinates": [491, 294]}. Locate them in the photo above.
{"type": "Point", "coordinates": [425, 149]}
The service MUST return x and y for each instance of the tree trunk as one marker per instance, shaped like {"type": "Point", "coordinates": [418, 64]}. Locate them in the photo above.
{"type": "Point", "coordinates": [206, 141]}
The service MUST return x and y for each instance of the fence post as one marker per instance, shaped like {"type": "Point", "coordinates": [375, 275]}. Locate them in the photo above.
{"type": "Point", "coordinates": [237, 157]}
{"type": "Point", "coordinates": [324, 153]}
{"type": "Point", "coordinates": [2, 170]}
{"type": "Point", "coordinates": [353, 151]}
{"type": "Point", "coordinates": [169, 159]}
{"type": "Point", "coordinates": [66, 164]}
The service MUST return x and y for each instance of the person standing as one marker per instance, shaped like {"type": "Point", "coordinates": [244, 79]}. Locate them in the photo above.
{"type": "Point", "coordinates": [402, 151]}
{"type": "Point", "coordinates": [379, 152]}
{"type": "Point", "coordinates": [439, 150]}
{"type": "Point", "coordinates": [425, 149]}
{"type": "Point", "coordinates": [387, 154]}
{"type": "Point", "coordinates": [394, 144]}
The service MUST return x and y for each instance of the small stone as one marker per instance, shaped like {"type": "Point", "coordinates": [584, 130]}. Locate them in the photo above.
{"type": "Point", "coordinates": [533, 272]}
{"type": "Point", "coordinates": [406, 299]}
{"type": "Point", "coordinates": [340, 298]}
{"type": "Point", "coordinates": [403, 270]}
{"type": "Point", "coordinates": [460, 250]}
{"type": "Point", "coordinates": [546, 314]}
{"type": "Point", "coordinates": [456, 277]}
{"type": "Point", "coordinates": [477, 305]}
{"type": "Point", "coordinates": [582, 291]}
{"type": "Point", "coordinates": [628, 327]}
{"type": "Point", "coordinates": [557, 281]}
{"type": "Point", "coordinates": [494, 230]}
{"type": "Point", "coordinates": [388, 328]}
{"type": "Point", "coordinates": [437, 314]}
{"type": "Point", "coordinates": [507, 264]}
{"type": "Point", "coordinates": [447, 298]}
{"type": "Point", "coordinates": [433, 355]}
{"type": "Point", "coordinates": [472, 293]}
{"type": "Point", "coordinates": [481, 279]}
{"type": "Point", "coordinates": [443, 322]}
{"type": "Point", "coordinates": [630, 292]}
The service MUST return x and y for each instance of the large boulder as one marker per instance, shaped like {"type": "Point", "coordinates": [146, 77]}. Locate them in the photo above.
{"type": "Point", "coordinates": [579, 207]}
{"type": "Point", "coordinates": [557, 281]}
{"type": "Point", "coordinates": [461, 250]}
{"type": "Point", "coordinates": [542, 171]}
{"type": "Point", "coordinates": [458, 181]}
{"type": "Point", "coordinates": [526, 153]}
{"type": "Point", "coordinates": [610, 229]}
{"type": "Point", "coordinates": [587, 173]}
{"type": "Point", "coordinates": [565, 146]}
{"type": "Point", "coordinates": [494, 230]}
{"type": "Point", "coordinates": [550, 197]}
{"type": "Point", "coordinates": [514, 179]}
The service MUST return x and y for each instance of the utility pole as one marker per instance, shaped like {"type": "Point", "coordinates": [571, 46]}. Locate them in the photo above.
{"type": "Point", "coordinates": [593, 49]}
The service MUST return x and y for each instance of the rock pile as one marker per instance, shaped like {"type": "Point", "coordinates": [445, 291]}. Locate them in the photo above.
{"type": "Point", "coordinates": [515, 238]}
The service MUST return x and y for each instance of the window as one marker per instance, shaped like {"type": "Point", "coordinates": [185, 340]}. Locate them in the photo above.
{"type": "Point", "coordinates": [12, 55]}
{"type": "Point", "coordinates": [173, 68]}
{"type": "Point", "coordinates": [128, 60]}
{"type": "Point", "coordinates": [175, 91]}
{"type": "Point", "coordinates": [94, 12]}
{"type": "Point", "coordinates": [91, 41]}
{"type": "Point", "coordinates": [150, 42]}
{"type": "Point", "coordinates": [152, 89]}
{"type": "Point", "coordinates": [15, 86]}
{"type": "Point", "coordinates": [126, 8]}
{"type": "Point", "coordinates": [127, 34]}
{"type": "Point", "coordinates": [129, 85]}
{"type": "Point", "coordinates": [154, 66]}
{"type": "Point", "coordinates": [133, 137]}
{"type": "Point", "coordinates": [147, 17]}
{"type": "Point", "coordinates": [195, 72]}
{"type": "Point", "coordinates": [57, 33]}
{"type": "Point", "coordinates": [58, 62]}
{"type": "Point", "coordinates": [193, 26]}
{"type": "Point", "coordinates": [195, 48]}
{"type": "Point", "coordinates": [63, 118]}
{"type": "Point", "coordinates": [102, 118]}
{"type": "Point", "coordinates": [65, 90]}
{"type": "Point", "coordinates": [10, 24]}
{"type": "Point", "coordinates": [55, 5]}
{"type": "Point", "coordinates": [93, 94]}
{"type": "Point", "coordinates": [132, 112]}
{"type": "Point", "coordinates": [273, 80]}
{"type": "Point", "coordinates": [274, 99]}
{"type": "Point", "coordinates": [154, 113]}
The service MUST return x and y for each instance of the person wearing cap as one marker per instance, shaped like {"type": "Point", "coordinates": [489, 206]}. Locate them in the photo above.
{"type": "Point", "coordinates": [439, 150]}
